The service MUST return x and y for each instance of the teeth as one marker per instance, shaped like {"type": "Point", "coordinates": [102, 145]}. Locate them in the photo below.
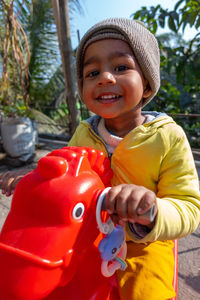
{"type": "Point", "coordinates": [109, 97]}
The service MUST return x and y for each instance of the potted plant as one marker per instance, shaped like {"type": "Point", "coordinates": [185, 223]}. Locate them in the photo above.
{"type": "Point", "coordinates": [17, 129]}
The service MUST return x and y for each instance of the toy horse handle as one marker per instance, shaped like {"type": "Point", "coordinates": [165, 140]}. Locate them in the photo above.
{"type": "Point", "coordinates": [107, 227]}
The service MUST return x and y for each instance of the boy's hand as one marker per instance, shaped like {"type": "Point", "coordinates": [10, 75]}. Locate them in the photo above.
{"type": "Point", "coordinates": [126, 202]}
{"type": "Point", "coordinates": [9, 180]}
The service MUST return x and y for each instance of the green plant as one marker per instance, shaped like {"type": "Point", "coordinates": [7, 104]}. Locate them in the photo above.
{"type": "Point", "coordinates": [180, 59]}
{"type": "Point", "coordinates": [191, 128]}
{"type": "Point", "coordinates": [16, 109]}
{"type": "Point", "coordinates": [15, 57]}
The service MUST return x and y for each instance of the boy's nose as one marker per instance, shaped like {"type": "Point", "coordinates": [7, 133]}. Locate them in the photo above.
{"type": "Point", "coordinates": [106, 78]}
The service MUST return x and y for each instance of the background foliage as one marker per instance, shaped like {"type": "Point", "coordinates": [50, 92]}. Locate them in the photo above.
{"type": "Point", "coordinates": [180, 60]}
{"type": "Point", "coordinates": [180, 63]}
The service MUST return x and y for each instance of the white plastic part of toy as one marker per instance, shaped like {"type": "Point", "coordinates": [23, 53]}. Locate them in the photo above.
{"type": "Point", "coordinates": [107, 227]}
{"type": "Point", "coordinates": [109, 268]}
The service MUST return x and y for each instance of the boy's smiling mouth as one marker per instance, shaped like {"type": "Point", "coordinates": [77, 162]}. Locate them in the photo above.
{"type": "Point", "coordinates": [108, 98]}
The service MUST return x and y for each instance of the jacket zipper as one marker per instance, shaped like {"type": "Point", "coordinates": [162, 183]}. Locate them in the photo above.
{"type": "Point", "coordinates": [109, 155]}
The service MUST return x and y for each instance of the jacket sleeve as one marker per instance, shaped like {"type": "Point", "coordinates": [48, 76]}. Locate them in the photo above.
{"type": "Point", "coordinates": [178, 194]}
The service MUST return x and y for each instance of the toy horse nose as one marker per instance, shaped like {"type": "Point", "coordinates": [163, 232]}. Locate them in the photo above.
{"type": "Point", "coordinates": [52, 166]}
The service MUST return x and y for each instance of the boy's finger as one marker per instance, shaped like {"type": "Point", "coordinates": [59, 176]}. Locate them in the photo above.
{"type": "Point", "coordinates": [149, 216]}
{"type": "Point", "coordinates": [115, 218]}
{"type": "Point", "coordinates": [121, 201]}
{"type": "Point", "coordinates": [111, 199]}
{"type": "Point", "coordinates": [146, 202]}
{"type": "Point", "coordinates": [8, 194]}
{"type": "Point", "coordinates": [7, 186]}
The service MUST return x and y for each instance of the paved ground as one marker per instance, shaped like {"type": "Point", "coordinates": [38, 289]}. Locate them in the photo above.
{"type": "Point", "coordinates": [189, 247]}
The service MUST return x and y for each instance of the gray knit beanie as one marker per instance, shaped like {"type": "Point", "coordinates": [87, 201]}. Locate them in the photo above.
{"type": "Point", "coordinates": [142, 42]}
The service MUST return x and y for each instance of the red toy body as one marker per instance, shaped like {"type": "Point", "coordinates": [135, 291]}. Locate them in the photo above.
{"type": "Point", "coordinates": [47, 244]}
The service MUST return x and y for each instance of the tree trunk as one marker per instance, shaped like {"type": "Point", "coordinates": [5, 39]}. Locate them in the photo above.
{"type": "Point", "coordinates": [61, 13]}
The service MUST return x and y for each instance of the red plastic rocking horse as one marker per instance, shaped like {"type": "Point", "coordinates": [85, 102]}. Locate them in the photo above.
{"type": "Point", "coordinates": [49, 242]}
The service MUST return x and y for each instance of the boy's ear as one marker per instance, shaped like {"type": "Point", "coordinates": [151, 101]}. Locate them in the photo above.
{"type": "Point", "coordinates": [147, 91]}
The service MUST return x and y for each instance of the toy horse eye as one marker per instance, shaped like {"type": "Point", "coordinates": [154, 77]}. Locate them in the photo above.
{"type": "Point", "coordinates": [114, 250]}
{"type": "Point", "coordinates": [78, 211]}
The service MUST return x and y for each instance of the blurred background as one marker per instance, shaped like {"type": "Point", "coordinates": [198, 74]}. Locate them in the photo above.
{"type": "Point", "coordinates": [37, 73]}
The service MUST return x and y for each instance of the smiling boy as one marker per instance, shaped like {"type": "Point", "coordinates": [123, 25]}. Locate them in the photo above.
{"type": "Point", "coordinates": [118, 72]}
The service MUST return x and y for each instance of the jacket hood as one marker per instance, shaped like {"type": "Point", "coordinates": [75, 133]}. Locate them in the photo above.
{"type": "Point", "coordinates": [155, 120]}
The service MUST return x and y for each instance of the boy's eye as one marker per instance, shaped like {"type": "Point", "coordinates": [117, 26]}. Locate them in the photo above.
{"type": "Point", "coordinates": [121, 68]}
{"type": "Point", "coordinates": [92, 74]}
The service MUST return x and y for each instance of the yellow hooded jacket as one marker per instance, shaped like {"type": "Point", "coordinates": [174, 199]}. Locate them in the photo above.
{"type": "Point", "coordinates": [155, 155]}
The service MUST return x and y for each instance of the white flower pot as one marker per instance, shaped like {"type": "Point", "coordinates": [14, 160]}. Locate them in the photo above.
{"type": "Point", "coordinates": [18, 137]}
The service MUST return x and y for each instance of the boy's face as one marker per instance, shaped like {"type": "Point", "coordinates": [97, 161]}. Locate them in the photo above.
{"type": "Point", "coordinates": [113, 83]}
